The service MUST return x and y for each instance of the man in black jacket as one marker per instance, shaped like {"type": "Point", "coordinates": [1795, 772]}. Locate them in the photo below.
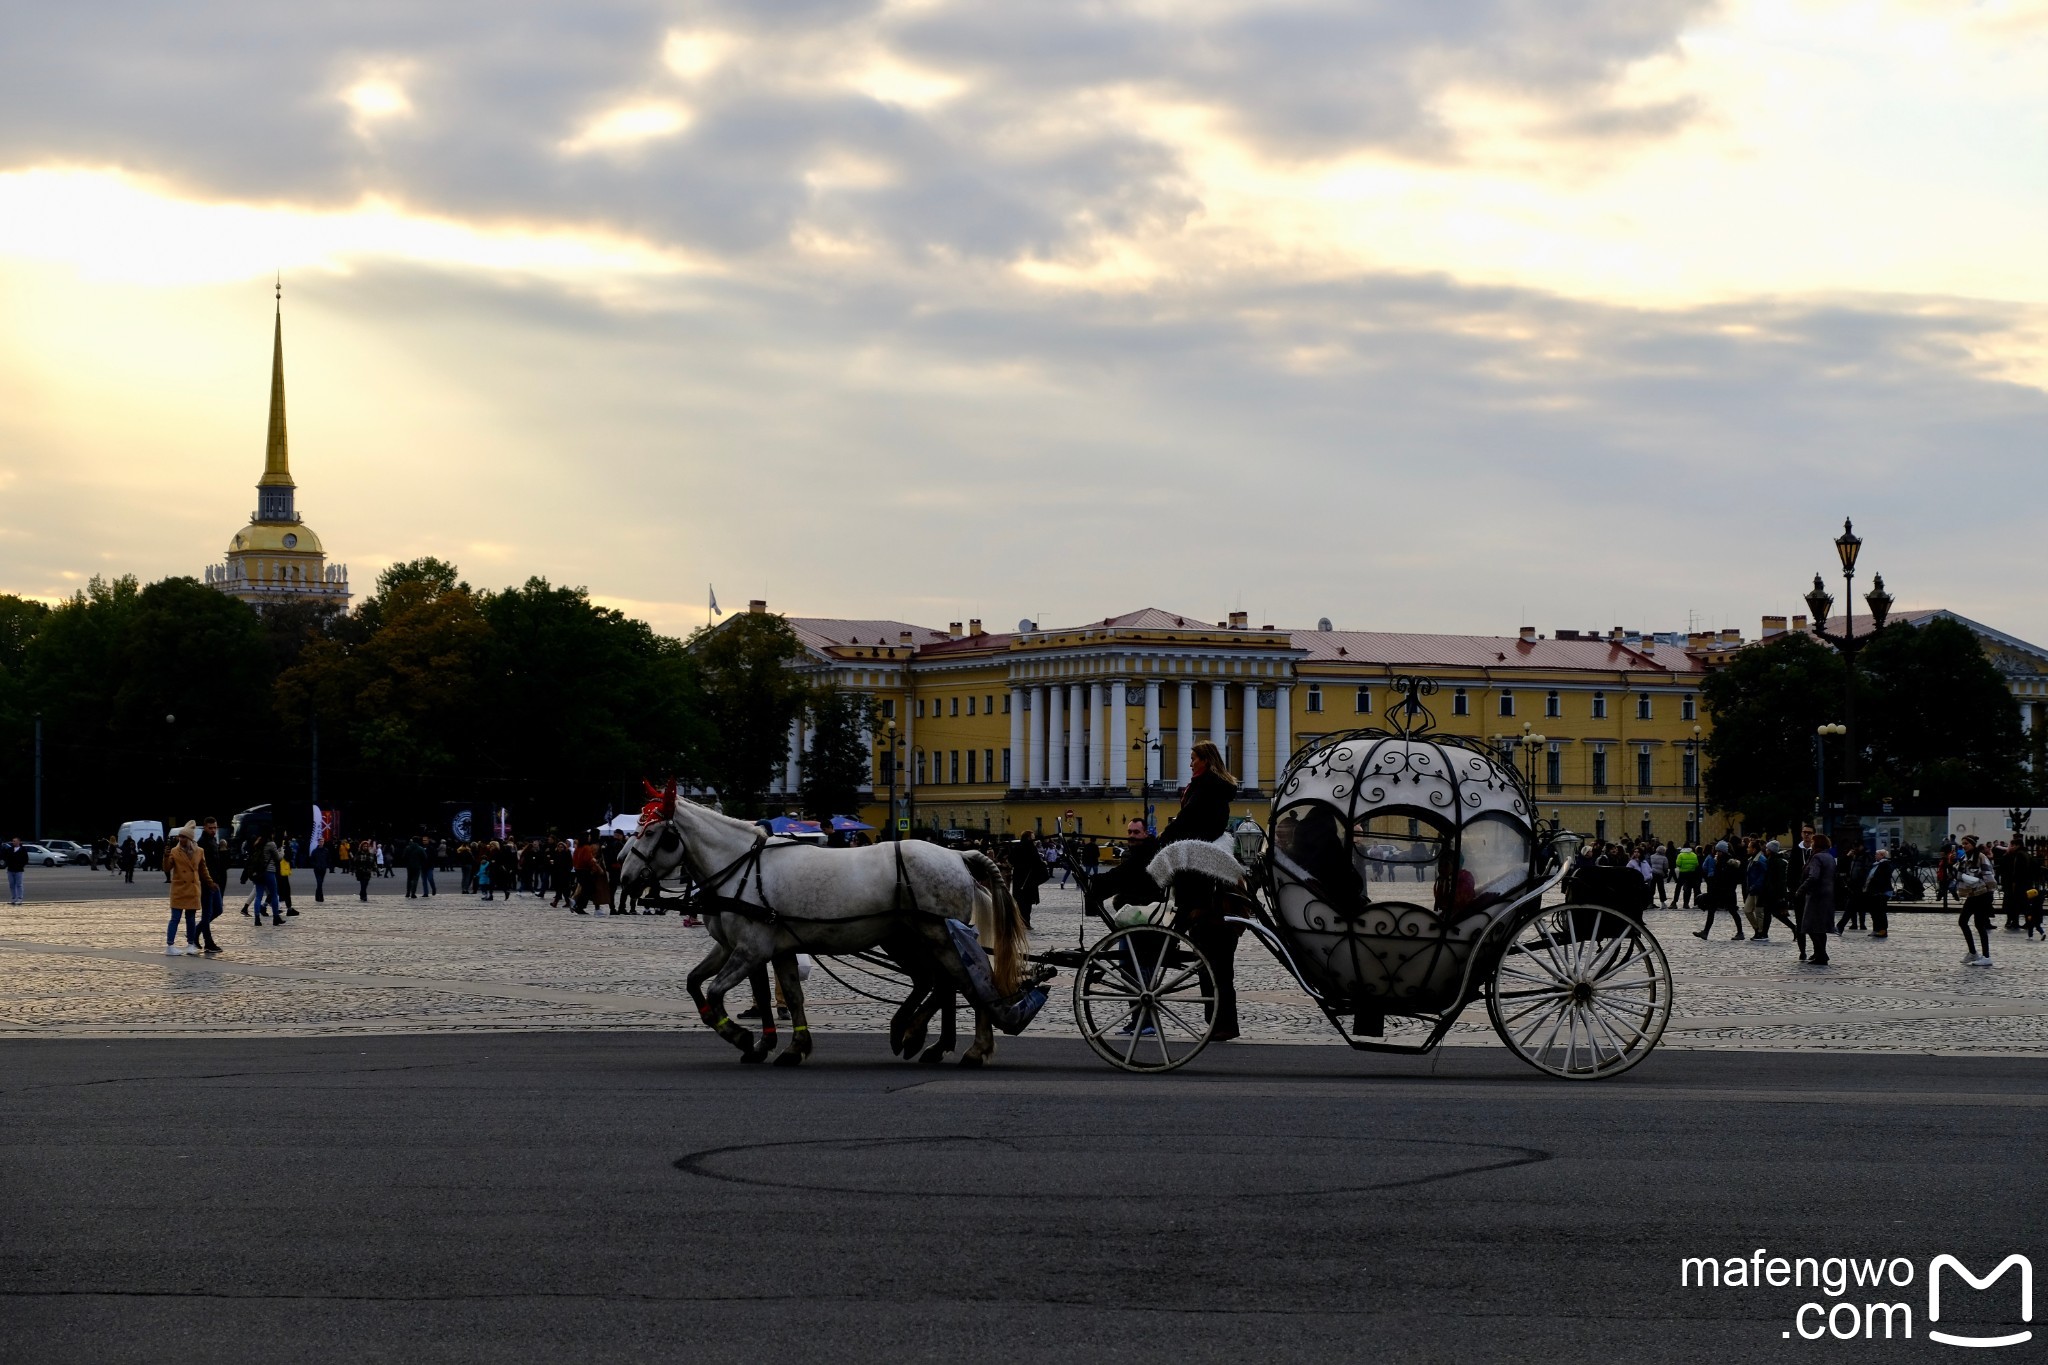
{"type": "Point", "coordinates": [210, 897]}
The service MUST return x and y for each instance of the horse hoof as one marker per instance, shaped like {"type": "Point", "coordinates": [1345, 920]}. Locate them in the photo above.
{"type": "Point", "coordinates": [932, 1055]}
{"type": "Point", "coordinates": [969, 1059]}
{"type": "Point", "coordinates": [789, 1059]}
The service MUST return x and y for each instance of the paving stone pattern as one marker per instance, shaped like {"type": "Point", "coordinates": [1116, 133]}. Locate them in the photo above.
{"type": "Point", "coordinates": [86, 959]}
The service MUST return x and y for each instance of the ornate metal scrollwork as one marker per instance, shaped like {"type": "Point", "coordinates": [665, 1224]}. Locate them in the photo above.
{"type": "Point", "coordinates": [1409, 716]}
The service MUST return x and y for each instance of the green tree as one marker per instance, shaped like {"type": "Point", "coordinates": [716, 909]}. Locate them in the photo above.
{"type": "Point", "coordinates": [1766, 704]}
{"type": "Point", "coordinates": [1939, 722]}
{"type": "Point", "coordinates": [746, 691]}
{"type": "Point", "coordinates": [583, 700]}
{"type": "Point", "coordinates": [838, 761]}
{"type": "Point", "coordinates": [1934, 724]}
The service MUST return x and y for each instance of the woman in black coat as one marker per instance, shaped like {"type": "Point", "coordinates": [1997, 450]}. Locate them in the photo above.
{"type": "Point", "coordinates": [1817, 916]}
{"type": "Point", "coordinates": [1205, 814]}
{"type": "Point", "coordinates": [1027, 873]}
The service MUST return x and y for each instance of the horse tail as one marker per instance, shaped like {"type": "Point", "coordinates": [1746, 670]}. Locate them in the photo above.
{"type": "Point", "coordinates": [1007, 937]}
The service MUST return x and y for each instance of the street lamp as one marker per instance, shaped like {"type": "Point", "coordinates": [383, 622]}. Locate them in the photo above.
{"type": "Point", "coordinates": [1698, 814]}
{"type": "Point", "coordinates": [1145, 746]}
{"type": "Point", "coordinates": [1532, 744]}
{"type": "Point", "coordinates": [1820, 774]}
{"type": "Point", "coordinates": [895, 762]}
{"type": "Point", "coordinates": [1819, 602]}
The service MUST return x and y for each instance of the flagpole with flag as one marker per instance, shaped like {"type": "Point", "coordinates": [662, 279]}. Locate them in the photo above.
{"type": "Point", "coordinates": [715, 612]}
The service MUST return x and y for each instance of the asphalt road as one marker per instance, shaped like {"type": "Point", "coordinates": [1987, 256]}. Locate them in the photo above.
{"type": "Point", "coordinates": [614, 1197]}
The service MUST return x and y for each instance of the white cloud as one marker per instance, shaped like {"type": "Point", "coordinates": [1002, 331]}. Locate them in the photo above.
{"type": "Point", "coordinates": [628, 126]}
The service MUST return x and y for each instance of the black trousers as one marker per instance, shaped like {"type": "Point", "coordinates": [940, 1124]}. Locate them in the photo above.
{"type": "Point", "coordinates": [1218, 943]}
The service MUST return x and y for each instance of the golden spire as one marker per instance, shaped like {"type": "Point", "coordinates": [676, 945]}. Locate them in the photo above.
{"type": "Point", "coordinates": [277, 464]}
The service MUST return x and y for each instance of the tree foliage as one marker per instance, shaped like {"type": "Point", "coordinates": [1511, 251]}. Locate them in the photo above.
{"type": "Point", "coordinates": [836, 764]}
{"type": "Point", "coordinates": [177, 700]}
{"type": "Point", "coordinates": [744, 688]}
{"type": "Point", "coordinates": [1935, 725]}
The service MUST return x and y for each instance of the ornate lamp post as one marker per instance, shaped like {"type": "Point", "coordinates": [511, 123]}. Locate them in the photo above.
{"type": "Point", "coordinates": [1146, 745]}
{"type": "Point", "coordinates": [895, 742]}
{"type": "Point", "coordinates": [1692, 747]}
{"type": "Point", "coordinates": [1820, 775]}
{"type": "Point", "coordinates": [1819, 602]}
{"type": "Point", "coordinates": [1532, 744]}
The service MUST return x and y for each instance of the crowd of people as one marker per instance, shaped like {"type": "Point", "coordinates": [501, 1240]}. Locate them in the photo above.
{"type": "Point", "coordinates": [1815, 890]}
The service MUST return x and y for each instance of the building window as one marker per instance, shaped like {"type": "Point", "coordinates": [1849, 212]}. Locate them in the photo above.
{"type": "Point", "coordinates": [970, 706]}
{"type": "Point", "coordinates": [1364, 703]}
{"type": "Point", "coordinates": [1599, 706]}
{"type": "Point", "coordinates": [1507, 703]}
{"type": "Point", "coordinates": [920, 770]}
{"type": "Point", "coordinates": [888, 708]}
{"type": "Point", "coordinates": [1315, 696]}
{"type": "Point", "coordinates": [888, 769]}
{"type": "Point", "coordinates": [1553, 769]}
{"type": "Point", "coordinates": [988, 706]}
{"type": "Point", "coordinates": [1006, 767]}
{"type": "Point", "coordinates": [1006, 703]}
{"type": "Point", "coordinates": [1688, 707]}
{"type": "Point", "coordinates": [920, 708]}
{"type": "Point", "coordinates": [1552, 707]}
{"type": "Point", "coordinates": [1643, 706]}
{"type": "Point", "coordinates": [988, 765]}
{"type": "Point", "coordinates": [954, 766]}
{"type": "Point", "coordinates": [1691, 769]}
{"type": "Point", "coordinates": [956, 706]}
{"type": "Point", "coordinates": [970, 758]}
{"type": "Point", "coordinates": [1643, 768]}
{"type": "Point", "coordinates": [1599, 767]}
{"type": "Point", "coordinates": [1461, 704]}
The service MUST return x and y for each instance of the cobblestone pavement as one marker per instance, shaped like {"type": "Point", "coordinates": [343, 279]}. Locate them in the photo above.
{"type": "Point", "coordinates": [83, 958]}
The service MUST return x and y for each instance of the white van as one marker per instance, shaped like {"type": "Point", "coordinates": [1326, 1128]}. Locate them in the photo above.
{"type": "Point", "coordinates": [138, 830]}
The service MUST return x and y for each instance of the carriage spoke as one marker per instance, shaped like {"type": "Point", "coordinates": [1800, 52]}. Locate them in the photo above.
{"type": "Point", "coordinates": [1510, 1020]}
{"type": "Point", "coordinates": [1593, 1020]}
{"type": "Point", "coordinates": [1173, 1013]}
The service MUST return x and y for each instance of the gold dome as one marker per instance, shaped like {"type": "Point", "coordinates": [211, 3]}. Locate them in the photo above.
{"type": "Point", "coordinates": [275, 537]}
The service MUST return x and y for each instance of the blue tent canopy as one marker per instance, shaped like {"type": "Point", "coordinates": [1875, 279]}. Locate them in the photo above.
{"type": "Point", "coordinates": [846, 824]}
{"type": "Point", "coordinates": [789, 824]}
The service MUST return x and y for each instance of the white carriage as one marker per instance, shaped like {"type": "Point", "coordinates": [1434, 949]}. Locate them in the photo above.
{"type": "Point", "coordinates": [1403, 876]}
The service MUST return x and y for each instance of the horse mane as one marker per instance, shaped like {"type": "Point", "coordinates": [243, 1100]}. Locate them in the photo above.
{"type": "Point", "coordinates": [719, 816]}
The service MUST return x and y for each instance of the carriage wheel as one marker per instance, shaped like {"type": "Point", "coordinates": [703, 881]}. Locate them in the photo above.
{"type": "Point", "coordinates": [1145, 998]}
{"type": "Point", "coordinates": [1581, 992]}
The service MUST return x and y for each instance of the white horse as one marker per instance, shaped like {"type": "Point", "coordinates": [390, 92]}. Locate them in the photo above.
{"type": "Point", "coordinates": [768, 900]}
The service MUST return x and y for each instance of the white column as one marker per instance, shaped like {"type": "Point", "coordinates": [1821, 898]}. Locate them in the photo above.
{"type": "Point", "coordinates": [1152, 735]}
{"type": "Point", "coordinates": [1119, 737]}
{"type": "Point", "coordinates": [1219, 719]}
{"type": "Point", "coordinates": [790, 780]}
{"type": "Point", "coordinates": [1055, 743]}
{"type": "Point", "coordinates": [1077, 758]}
{"type": "Point", "coordinates": [1037, 738]}
{"type": "Point", "coordinates": [1016, 738]}
{"type": "Point", "coordinates": [1250, 766]}
{"type": "Point", "coordinates": [1098, 733]}
{"type": "Point", "coordinates": [1187, 734]}
{"type": "Point", "coordinates": [1283, 733]}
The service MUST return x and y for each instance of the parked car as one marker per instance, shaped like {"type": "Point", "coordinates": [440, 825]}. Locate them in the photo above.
{"type": "Point", "coordinates": [73, 853]}
{"type": "Point", "coordinates": [39, 856]}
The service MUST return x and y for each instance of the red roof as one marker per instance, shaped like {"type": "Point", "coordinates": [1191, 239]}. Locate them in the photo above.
{"type": "Point", "coordinates": [1401, 650]}
{"type": "Point", "coordinates": [824, 632]}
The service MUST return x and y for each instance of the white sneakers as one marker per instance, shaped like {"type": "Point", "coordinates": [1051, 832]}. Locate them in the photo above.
{"type": "Point", "coordinates": [173, 950]}
{"type": "Point", "coordinates": [1980, 962]}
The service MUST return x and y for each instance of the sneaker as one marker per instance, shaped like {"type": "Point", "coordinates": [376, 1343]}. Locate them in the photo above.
{"type": "Point", "coordinates": [173, 950]}
{"type": "Point", "coordinates": [1760, 939]}
{"type": "Point", "coordinates": [1970, 959]}
{"type": "Point", "coordinates": [1699, 933]}
{"type": "Point", "coordinates": [1875, 934]}
{"type": "Point", "coordinates": [1980, 962]}
{"type": "Point", "coordinates": [215, 952]}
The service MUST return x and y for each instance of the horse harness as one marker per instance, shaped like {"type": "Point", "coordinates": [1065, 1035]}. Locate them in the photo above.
{"type": "Point", "coordinates": [712, 887]}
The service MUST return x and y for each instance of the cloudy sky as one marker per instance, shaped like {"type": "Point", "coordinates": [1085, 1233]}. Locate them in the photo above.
{"type": "Point", "coordinates": [1452, 315]}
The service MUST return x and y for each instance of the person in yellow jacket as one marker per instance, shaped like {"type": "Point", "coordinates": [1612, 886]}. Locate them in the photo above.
{"type": "Point", "coordinates": [190, 876]}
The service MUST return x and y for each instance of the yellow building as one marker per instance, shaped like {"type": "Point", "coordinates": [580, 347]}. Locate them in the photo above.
{"type": "Point", "coordinates": [277, 557]}
{"type": "Point", "coordinates": [1013, 731]}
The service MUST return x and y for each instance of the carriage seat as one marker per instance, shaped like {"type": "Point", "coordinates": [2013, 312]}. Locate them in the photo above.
{"type": "Point", "coordinates": [1217, 861]}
